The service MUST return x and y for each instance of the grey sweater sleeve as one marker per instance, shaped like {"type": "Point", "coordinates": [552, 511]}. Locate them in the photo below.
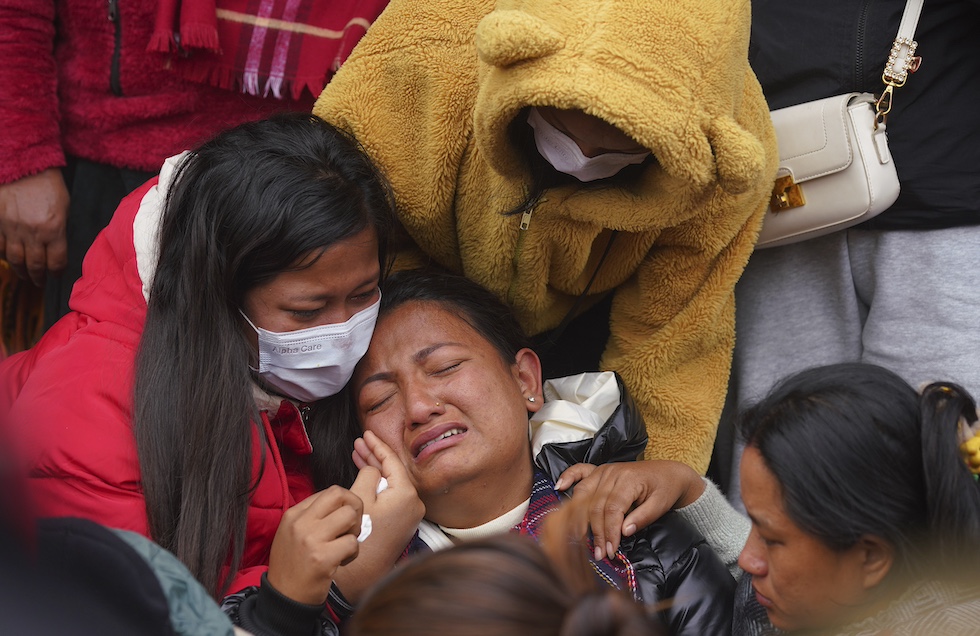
{"type": "Point", "coordinates": [725, 528]}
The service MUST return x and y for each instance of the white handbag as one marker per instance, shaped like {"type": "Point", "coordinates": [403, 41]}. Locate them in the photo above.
{"type": "Point", "coordinates": [835, 169]}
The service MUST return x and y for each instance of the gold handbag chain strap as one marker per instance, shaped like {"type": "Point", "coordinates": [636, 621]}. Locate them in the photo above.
{"type": "Point", "coordinates": [901, 60]}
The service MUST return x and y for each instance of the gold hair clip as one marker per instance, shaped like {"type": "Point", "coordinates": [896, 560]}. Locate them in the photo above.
{"type": "Point", "coordinates": [970, 445]}
{"type": "Point", "coordinates": [970, 450]}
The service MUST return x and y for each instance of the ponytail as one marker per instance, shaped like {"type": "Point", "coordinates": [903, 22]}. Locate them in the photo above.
{"type": "Point", "coordinates": [949, 416]}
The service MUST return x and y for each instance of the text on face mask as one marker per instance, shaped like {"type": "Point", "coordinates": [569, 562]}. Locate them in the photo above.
{"type": "Point", "coordinates": [300, 349]}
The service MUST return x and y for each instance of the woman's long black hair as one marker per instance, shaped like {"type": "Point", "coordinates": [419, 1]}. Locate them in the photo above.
{"type": "Point", "coordinates": [245, 206]}
{"type": "Point", "coordinates": [858, 452]}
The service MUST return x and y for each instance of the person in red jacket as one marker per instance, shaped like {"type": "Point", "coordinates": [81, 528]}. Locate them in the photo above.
{"type": "Point", "coordinates": [94, 95]}
{"type": "Point", "coordinates": [183, 397]}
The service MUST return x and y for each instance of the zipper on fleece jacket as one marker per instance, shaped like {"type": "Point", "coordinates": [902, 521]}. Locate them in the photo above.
{"type": "Point", "coordinates": [521, 233]}
{"type": "Point", "coordinates": [114, 84]}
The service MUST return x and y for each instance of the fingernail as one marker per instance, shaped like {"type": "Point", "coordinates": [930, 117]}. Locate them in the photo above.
{"type": "Point", "coordinates": [598, 553]}
{"type": "Point", "coordinates": [558, 484]}
{"type": "Point", "coordinates": [629, 530]}
{"type": "Point", "coordinates": [609, 548]}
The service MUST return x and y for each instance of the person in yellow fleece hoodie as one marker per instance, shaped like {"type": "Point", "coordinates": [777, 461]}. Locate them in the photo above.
{"type": "Point", "coordinates": [562, 151]}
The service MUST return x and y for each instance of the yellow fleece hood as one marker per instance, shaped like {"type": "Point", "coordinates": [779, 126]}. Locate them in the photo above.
{"type": "Point", "coordinates": [436, 91]}
{"type": "Point", "coordinates": [676, 89]}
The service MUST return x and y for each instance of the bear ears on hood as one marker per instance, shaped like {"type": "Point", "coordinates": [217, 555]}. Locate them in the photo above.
{"type": "Point", "coordinates": [671, 75]}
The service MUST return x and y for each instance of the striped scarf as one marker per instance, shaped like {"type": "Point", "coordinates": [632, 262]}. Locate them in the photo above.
{"type": "Point", "coordinates": [263, 47]}
{"type": "Point", "coordinates": [617, 572]}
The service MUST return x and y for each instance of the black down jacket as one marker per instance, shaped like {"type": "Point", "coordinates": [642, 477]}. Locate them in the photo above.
{"type": "Point", "coordinates": [673, 562]}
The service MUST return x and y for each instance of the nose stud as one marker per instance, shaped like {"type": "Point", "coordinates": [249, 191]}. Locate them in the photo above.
{"type": "Point", "coordinates": [438, 404]}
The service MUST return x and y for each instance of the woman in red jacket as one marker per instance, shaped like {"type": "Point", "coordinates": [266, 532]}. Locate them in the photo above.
{"type": "Point", "coordinates": [183, 396]}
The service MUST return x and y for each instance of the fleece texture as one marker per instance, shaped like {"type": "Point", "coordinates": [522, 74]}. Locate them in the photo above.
{"type": "Point", "coordinates": [437, 93]}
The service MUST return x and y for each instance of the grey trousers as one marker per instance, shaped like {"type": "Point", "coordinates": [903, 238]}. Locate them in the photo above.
{"type": "Point", "coordinates": [905, 300]}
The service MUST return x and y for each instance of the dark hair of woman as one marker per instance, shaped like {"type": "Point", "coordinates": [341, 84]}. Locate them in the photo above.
{"type": "Point", "coordinates": [858, 452]}
{"type": "Point", "coordinates": [245, 206]}
{"type": "Point", "coordinates": [506, 584]}
{"type": "Point", "coordinates": [478, 307]}
{"type": "Point", "coordinates": [953, 493]}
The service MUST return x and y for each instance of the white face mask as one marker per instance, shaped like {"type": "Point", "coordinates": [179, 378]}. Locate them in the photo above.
{"type": "Point", "coordinates": [311, 364]}
{"type": "Point", "coordinates": [564, 155]}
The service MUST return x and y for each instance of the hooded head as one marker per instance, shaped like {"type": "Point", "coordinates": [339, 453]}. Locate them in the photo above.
{"type": "Point", "coordinates": [671, 75]}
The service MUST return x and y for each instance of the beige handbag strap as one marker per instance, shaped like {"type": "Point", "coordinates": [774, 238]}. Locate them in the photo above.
{"type": "Point", "coordinates": [901, 60]}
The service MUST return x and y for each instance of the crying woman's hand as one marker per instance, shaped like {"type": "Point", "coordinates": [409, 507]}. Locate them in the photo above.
{"type": "Point", "coordinates": [395, 512]}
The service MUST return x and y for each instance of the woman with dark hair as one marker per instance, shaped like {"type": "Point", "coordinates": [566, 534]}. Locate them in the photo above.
{"type": "Point", "coordinates": [450, 389]}
{"type": "Point", "coordinates": [504, 584]}
{"type": "Point", "coordinates": [184, 396]}
{"type": "Point", "coordinates": [865, 518]}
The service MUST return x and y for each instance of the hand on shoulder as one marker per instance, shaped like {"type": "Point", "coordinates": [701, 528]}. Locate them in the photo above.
{"type": "Point", "coordinates": [625, 496]}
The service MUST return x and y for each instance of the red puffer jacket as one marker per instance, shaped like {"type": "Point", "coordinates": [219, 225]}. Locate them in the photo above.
{"type": "Point", "coordinates": [70, 400]}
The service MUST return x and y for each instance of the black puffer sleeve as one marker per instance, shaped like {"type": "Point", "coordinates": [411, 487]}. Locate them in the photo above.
{"type": "Point", "coordinates": [674, 564]}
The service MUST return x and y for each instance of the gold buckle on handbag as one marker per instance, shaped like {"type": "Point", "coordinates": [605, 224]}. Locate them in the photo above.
{"type": "Point", "coordinates": [786, 194]}
{"type": "Point", "coordinates": [900, 64]}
